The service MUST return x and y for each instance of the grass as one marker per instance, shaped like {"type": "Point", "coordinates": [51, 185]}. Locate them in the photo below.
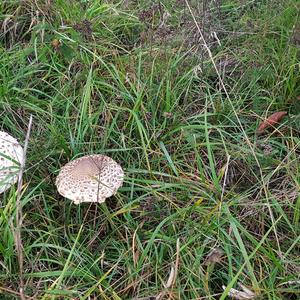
{"type": "Point", "coordinates": [133, 80]}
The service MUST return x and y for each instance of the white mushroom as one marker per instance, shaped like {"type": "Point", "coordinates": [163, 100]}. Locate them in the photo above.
{"type": "Point", "coordinates": [11, 156]}
{"type": "Point", "coordinates": [91, 178]}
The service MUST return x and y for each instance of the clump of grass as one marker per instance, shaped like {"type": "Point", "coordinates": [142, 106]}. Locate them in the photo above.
{"type": "Point", "coordinates": [98, 78]}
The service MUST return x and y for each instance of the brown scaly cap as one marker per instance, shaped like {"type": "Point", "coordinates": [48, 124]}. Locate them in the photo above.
{"type": "Point", "coordinates": [11, 156]}
{"type": "Point", "coordinates": [91, 178]}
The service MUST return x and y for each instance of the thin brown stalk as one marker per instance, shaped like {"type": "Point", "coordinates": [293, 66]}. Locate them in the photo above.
{"type": "Point", "coordinates": [12, 292]}
{"type": "Point", "coordinates": [19, 215]}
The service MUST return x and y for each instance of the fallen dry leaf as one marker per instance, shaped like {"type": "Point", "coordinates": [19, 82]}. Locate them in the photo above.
{"type": "Point", "coordinates": [55, 44]}
{"type": "Point", "coordinates": [214, 256]}
{"type": "Point", "coordinates": [271, 121]}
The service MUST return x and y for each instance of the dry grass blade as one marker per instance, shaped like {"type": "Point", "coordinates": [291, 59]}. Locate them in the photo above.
{"type": "Point", "coordinates": [135, 253]}
{"type": "Point", "coordinates": [173, 274]}
{"type": "Point", "coordinates": [246, 294]}
{"type": "Point", "coordinates": [19, 215]}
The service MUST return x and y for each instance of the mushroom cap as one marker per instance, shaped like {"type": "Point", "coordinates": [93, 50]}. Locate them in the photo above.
{"type": "Point", "coordinates": [91, 178]}
{"type": "Point", "coordinates": [11, 157]}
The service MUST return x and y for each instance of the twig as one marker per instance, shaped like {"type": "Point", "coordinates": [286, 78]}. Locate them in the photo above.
{"type": "Point", "coordinates": [19, 215]}
{"type": "Point", "coordinates": [10, 291]}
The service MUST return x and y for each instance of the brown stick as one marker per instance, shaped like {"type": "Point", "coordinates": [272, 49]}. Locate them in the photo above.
{"type": "Point", "coordinates": [19, 215]}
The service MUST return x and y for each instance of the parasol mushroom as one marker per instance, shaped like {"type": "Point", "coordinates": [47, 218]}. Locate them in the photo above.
{"type": "Point", "coordinates": [11, 156]}
{"type": "Point", "coordinates": [91, 178]}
